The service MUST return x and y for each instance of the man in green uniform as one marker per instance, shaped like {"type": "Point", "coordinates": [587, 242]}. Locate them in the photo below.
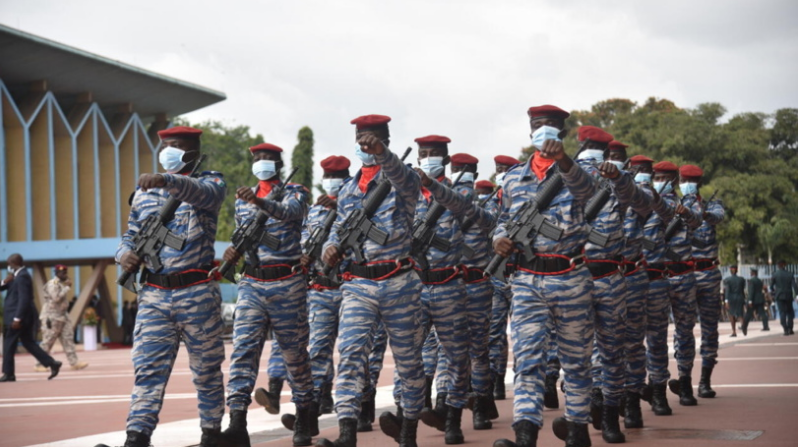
{"type": "Point", "coordinates": [785, 291]}
{"type": "Point", "coordinates": [734, 297]}
{"type": "Point", "coordinates": [756, 302]}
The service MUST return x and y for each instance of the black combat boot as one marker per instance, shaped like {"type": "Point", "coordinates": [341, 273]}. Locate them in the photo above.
{"type": "Point", "coordinates": [560, 427]}
{"type": "Point", "coordinates": [137, 439]}
{"type": "Point", "coordinates": [302, 434]}
{"type": "Point", "coordinates": [347, 435]}
{"type": "Point", "coordinates": [392, 425]}
{"type": "Point", "coordinates": [366, 416]}
{"type": "Point", "coordinates": [596, 407]}
{"type": "Point", "coordinates": [270, 400]}
{"type": "Point", "coordinates": [211, 437]}
{"type": "Point", "coordinates": [326, 403]}
{"type": "Point", "coordinates": [236, 433]}
{"type": "Point", "coordinates": [454, 433]}
{"type": "Point", "coordinates": [610, 430]}
{"type": "Point", "coordinates": [659, 400]}
{"type": "Point", "coordinates": [428, 391]}
{"type": "Point", "coordinates": [481, 417]}
{"type": "Point", "coordinates": [634, 416]}
{"type": "Point", "coordinates": [577, 435]}
{"type": "Point", "coordinates": [499, 392]}
{"type": "Point", "coordinates": [686, 397]}
{"type": "Point", "coordinates": [289, 420]}
{"type": "Point", "coordinates": [493, 411]}
{"type": "Point", "coordinates": [526, 435]}
{"type": "Point", "coordinates": [407, 438]}
{"type": "Point", "coordinates": [550, 397]}
{"type": "Point", "coordinates": [436, 417]}
{"type": "Point", "coordinates": [705, 386]}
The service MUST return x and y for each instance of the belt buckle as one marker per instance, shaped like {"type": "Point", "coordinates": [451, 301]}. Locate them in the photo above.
{"type": "Point", "coordinates": [573, 260]}
{"type": "Point", "coordinates": [296, 268]}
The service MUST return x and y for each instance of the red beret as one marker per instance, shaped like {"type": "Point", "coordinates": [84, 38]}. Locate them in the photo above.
{"type": "Point", "coordinates": [665, 166]}
{"type": "Point", "coordinates": [486, 184]}
{"type": "Point", "coordinates": [433, 140]}
{"type": "Point", "coordinates": [59, 267]}
{"type": "Point", "coordinates": [367, 121]}
{"type": "Point", "coordinates": [639, 160]}
{"type": "Point", "coordinates": [335, 163]}
{"type": "Point", "coordinates": [464, 159]}
{"type": "Point", "coordinates": [616, 145]}
{"type": "Point", "coordinates": [265, 147]}
{"type": "Point", "coordinates": [593, 133]}
{"type": "Point", "coordinates": [547, 111]}
{"type": "Point", "coordinates": [180, 132]}
{"type": "Point", "coordinates": [690, 171]}
{"type": "Point", "coordinates": [505, 160]}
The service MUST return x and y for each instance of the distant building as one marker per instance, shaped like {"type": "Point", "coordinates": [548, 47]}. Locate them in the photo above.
{"type": "Point", "coordinates": [77, 130]}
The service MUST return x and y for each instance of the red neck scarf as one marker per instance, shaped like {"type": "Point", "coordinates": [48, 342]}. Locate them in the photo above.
{"type": "Point", "coordinates": [367, 173]}
{"type": "Point", "coordinates": [427, 193]}
{"type": "Point", "coordinates": [265, 187]}
{"type": "Point", "coordinates": [540, 165]}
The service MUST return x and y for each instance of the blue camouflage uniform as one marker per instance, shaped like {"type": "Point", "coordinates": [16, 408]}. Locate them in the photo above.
{"type": "Point", "coordinates": [707, 279]}
{"type": "Point", "coordinates": [275, 368]}
{"type": "Point", "coordinates": [279, 302]}
{"type": "Point", "coordinates": [394, 300]}
{"type": "Point", "coordinates": [479, 289]}
{"type": "Point", "coordinates": [636, 202]}
{"type": "Point", "coordinates": [192, 313]}
{"type": "Point", "coordinates": [498, 348]}
{"type": "Point", "coordinates": [324, 302]}
{"type": "Point", "coordinates": [443, 303]}
{"type": "Point", "coordinates": [681, 279]}
{"type": "Point", "coordinates": [565, 298]}
{"type": "Point", "coordinates": [609, 293]}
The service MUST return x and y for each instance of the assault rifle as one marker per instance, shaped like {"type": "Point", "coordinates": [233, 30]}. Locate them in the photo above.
{"type": "Point", "coordinates": [527, 222]}
{"type": "Point", "coordinates": [468, 252]}
{"type": "Point", "coordinates": [358, 224]}
{"type": "Point", "coordinates": [594, 206]}
{"type": "Point", "coordinates": [251, 235]}
{"type": "Point", "coordinates": [153, 235]}
{"type": "Point", "coordinates": [424, 235]}
{"type": "Point", "coordinates": [316, 240]}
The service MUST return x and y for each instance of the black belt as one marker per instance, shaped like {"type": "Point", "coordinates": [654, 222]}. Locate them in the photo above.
{"type": "Point", "coordinates": [705, 264]}
{"type": "Point", "coordinates": [677, 268]}
{"type": "Point", "coordinates": [381, 270]}
{"type": "Point", "coordinates": [600, 268]}
{"type": "Point", "coordinates": [177, 280]}
{"type": "Point", "coordinates": [437, 276]}
{"type": "Point", "coordinates": [656, 271]}
{"type": "Point", "coordinates": [325, 282]}
{"type": "Point", "coordinates": [551, 264]}
{"type": "Point", "coordinates": [630, 267]}
{"type": "Point", "coordinates": [270, 272]}
{"type": "Point", "coordinates": [473, 274]}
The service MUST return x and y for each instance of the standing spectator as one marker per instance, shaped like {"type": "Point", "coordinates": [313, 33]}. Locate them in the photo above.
{"type": "Point", "coordinates": [756, 302]}
{"type": "Point", "coordinates": [19, 320]}
{"type": "Point", "coordinates": [785, 288]}
{"type": "Point", "coordinates": [55, 318]}
{"type": "Point", "coordinates": [734, 293]}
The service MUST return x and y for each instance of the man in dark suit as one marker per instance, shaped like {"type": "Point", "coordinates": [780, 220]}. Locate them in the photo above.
{"type": "Point", "coordinates": [19, 320]}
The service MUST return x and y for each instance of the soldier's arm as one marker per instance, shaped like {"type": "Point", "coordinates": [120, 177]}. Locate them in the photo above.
{"type": "Point", "coordinates": [664, 207]}
{"type": "Point", "coordinates": [633, 195]}
{"type": "Point", "coordinates": [461, 206]}
{"type": "Point", "coordinates": [133, 227]}
{"type": "Point", "coordinates": [581, 184]}
{"type": "Point", "coordinates": [307, 227]}
{"type": "Point", "coordinates": [292, 207]}
{"type": "Point", "coordinates": [404, 179]}
{"type": "Point", "coordinates": [332, 239]}
{"type": "Point", "coordinates": [63, 291]}
{"type": "Point", "coordinates": [204, 193]}
{"type": "Point", "coordinates": [504, 210]}
{"type": "Point", "coordinates": [715, 213]}
{"type": "Point", "coordinates": [693, 215]}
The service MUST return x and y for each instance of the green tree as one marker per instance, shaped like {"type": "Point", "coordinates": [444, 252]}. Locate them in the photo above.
{"type": "Point", "coordinates": [302, 158]}
{"type": "Point", "coordinates": [773, 234]}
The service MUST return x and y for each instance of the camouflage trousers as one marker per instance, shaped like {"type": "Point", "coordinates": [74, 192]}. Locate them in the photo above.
{"type": "Point", "coordinates": [164, 317]}
{"type": "Point", "coordinates": [634, 347]}
{"type": "Point", "coordinates": [275, 367]}
{"type": "Point", "coordinates": [283, 306]}
{"type": "Point", "coordinates": [497, 342]}
{"type": "Point", "coordinates": [324, 308]}
{"type": "Point", "coordinates": [657, 309]}
{"type": "Point", "coordinates": [552, 361]}
{"type": "Point", "coordinates": [609, 366]}
{"type": "Point", "coordinates": [379, 342]}
{"type": "Point", "coordinates": [683, 305]}
{"type": "Point", "coordinates": [566, 299]}
{"type": "Point", "coordinates": [60, 329]}
{"type": "Point", "coordinates": [394, 301]}
{"type": "Point", "coordinates": [707, 295]}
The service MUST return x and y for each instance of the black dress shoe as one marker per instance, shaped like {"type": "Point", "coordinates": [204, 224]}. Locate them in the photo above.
{"type": "Point", "coordinates": [7, 378]}
{"type": "Point", "coordinates": [54, 368]}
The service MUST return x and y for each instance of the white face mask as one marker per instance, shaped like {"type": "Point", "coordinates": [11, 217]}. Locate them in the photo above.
{"type": "Point", "coordinates": [171, 159]}
{"type": "Point", "coordinates": [264, 169]}
{"type": "Point", "coordinates": [467, 177]}
{"type": "Point", "coordinates": [500, 178]}
{"type": "Point", "coordinates": [660, 187]}
{"type": "Point", "coordinates": [432, 166]}
{"type": "Point", "coordinates": [332, 185]}
{"type": "Point", "coordinates": [596, 155]}
{"type": "Point", "coordinates": [618, 164]}
{"type": "Point", "coordinates": [688, 188]}
{"type": "Point", "coordinates": [643, 177]}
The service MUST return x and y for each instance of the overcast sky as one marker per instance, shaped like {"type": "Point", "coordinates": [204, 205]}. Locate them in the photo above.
{"type": "Point", "coordinates": [465, 69]}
